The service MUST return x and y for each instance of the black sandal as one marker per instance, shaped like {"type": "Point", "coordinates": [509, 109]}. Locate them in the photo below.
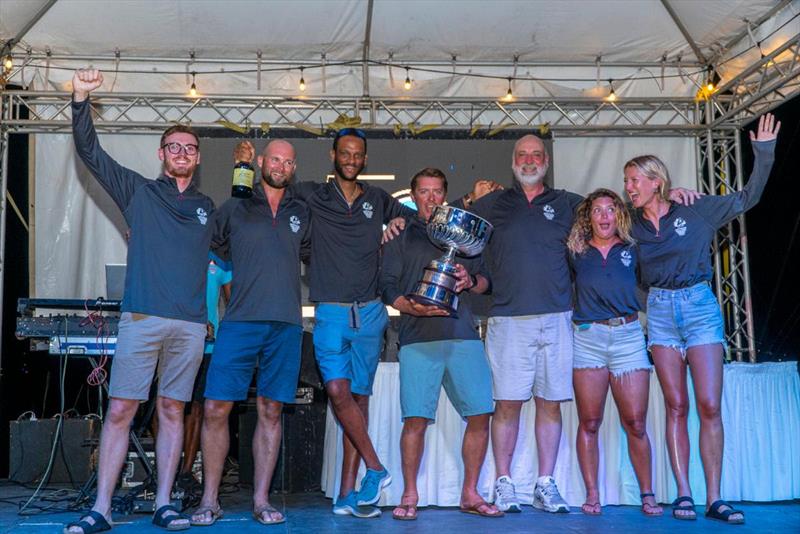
{"type": "Point", "coordinates": [679, 505]}
{"type": "Point", "coordinates": [714, 513]}
{"type": "Point", "coordinates": [100, 524]}
{"type": "Point", "coordinates": [161, 519]}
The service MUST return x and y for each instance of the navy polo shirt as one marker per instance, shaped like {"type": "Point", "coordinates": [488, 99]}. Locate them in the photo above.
{"type": "Point", "coordinates": [677, 255]}
{"type": "Point", "coordinates": [346, 240]}
{"type": "Point", "coordinates": [265, 251]}
{"type": "Point", "coordinates": [605, 287]}
{"type": "Point", "coordinates": [170, 231]}
{"type": "Point", "coordinates": [404, 259]}
{"type": "Point", "coordinates": [527, 253]}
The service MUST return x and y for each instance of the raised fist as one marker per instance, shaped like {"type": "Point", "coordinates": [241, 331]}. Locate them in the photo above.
{"type": "Point", "coordinates": [84, 81]}
{"type": "Point", "coordinates": [244, 151]}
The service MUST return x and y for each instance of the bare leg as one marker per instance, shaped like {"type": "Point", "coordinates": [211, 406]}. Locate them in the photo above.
{"type": "Point", "coordinates": [706, 365]}
{"type": "Point", "coordinates": [351, 410]}
{"type": "Point", "coordinates": [591, 389]}
{"type": "Point", "coordinates": [671, 371]}
{"type": "Point", "coordinates": [473, 452]}
{"type": "Point", "coordinates": [505, 428]}
{"type": "Point", "coordinates": [191, 436]}
{"type": "Point", "coordinates": [168, 449]}
{"type": "Point", "coordinates": [412, 445]}
{"type": "Point", "coordinates": [215, 441]}
{"type": "Point", "coordinates": [548, 434]}
{"type": "Point", "coordinates": [630, 394]}
{"type": "Point", "coordinates": [113, 450]}
{"type": "Point", "coordinates": [266, 446]}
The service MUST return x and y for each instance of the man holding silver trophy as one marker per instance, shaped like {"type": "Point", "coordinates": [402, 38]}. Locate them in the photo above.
{"type": "Point", "coordinates": [439, 345]}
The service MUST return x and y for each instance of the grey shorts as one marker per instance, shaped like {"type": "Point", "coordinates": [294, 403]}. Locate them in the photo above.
{"type": "Point", "coordinates": [531, 355]}
{"type": "Point", "coordinates": [147, 342]}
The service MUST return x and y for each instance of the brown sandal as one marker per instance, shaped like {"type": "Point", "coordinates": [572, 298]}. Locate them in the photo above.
{"type": "Point", "coordinates": [407, 508]}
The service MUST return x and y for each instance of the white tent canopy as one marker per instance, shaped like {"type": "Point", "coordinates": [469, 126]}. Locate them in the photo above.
{"type": "Point", "coordinates": [549, 47]}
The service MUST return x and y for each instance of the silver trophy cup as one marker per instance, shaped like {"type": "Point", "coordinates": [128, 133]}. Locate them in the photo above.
{"type": "Point", "coordinates": [460, 232]}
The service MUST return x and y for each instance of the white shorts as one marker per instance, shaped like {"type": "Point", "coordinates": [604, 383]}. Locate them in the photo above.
{"type": "Point", "coordinates": [531, 355]}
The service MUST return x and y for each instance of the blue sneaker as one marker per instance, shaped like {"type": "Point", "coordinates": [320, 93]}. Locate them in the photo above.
{"type": "Point", "coordinates": [348, 505]}
{"type": "Point", "coordinates": [372, 484]}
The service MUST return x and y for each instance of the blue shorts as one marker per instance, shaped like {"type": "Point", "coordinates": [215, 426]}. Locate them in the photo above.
{"type": "Point", "coordinates": [684, 318]}
{"type": "Point", "coordinates": [348, 342]}
{"type": "Point", "coordinates": [271, 346]}
{"type": "Point", "coordinates": [460, 365]}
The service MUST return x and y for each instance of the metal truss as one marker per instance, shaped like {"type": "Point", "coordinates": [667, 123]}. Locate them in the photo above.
{"type": "Point", "coordinates": [50, 112]}
{"type": "Point", "coordinates": [720, 173]}
{"type": "Point", "coordinates": [759, 88]}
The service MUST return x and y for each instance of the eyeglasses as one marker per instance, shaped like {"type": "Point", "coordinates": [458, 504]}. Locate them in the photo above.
{"type": "Point", "coordinates": [351, 131]}
{"type": "Point", "coordinates": [176, 148]}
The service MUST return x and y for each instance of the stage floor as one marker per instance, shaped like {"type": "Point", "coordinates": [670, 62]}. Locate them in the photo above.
{"type": "Point", "coordinates": [312, 513]}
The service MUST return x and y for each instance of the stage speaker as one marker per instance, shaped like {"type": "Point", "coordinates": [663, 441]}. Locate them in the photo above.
{"type": "Point", "coordinates": [31, 443]}
{"type": "Point", "coordinates": [299, 467]}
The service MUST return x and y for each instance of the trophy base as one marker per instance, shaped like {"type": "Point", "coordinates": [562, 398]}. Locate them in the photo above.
{"type": "Point", "coordinates": [432, 295]}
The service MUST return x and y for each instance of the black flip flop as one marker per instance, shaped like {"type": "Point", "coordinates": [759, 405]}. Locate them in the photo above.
{"type": "Point", "coordinates": [714, 513]}
{"type": "Point", "coordinates": [679, 504]}
{"type": "Point", "coordinates": [100, 524]}
{"type": "Point", "coordinates": [161, 519]}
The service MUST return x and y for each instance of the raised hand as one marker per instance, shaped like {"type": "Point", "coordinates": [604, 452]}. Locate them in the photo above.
{"type": "Point", "coordinates": [767, 129]}
{"type": "Point", "coordinates": [84, 81]}
{"type": "Point", "coordinates": [244, 151]}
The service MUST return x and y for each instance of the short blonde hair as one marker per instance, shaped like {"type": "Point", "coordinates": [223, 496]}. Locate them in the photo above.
{"type": "Point", "coordinates": [581, 231]}
{"type": "Point", "coordinates": [653, 168]}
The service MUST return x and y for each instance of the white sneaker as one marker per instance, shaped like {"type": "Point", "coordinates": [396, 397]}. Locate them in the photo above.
{"type": "Point", "coordinates": [547, 498]}
{"type": "Point", "coordinates": [505, 498]}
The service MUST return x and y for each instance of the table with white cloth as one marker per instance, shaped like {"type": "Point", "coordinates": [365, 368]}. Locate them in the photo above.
{"type": "Point", "coordinates": [760, 411]}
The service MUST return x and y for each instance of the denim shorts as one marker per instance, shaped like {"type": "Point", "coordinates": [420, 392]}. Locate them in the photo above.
{"type": "Point", "coordinates": [348, 340]}
{"type": "Point", "coordinates": [620, 349]}
{"type": "Point", "coordinates": [457, 364]}
{"type": "Point", "coordinates": [684, 318]}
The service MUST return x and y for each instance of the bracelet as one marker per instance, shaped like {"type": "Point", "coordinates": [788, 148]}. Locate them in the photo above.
{"type": "Point", "coordinates": [467, 199]}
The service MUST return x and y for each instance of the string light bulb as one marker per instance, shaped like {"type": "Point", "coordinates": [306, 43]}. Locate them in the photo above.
{"type": "Point", "coordinates": [407, 83]}
{"type": "Point", "coordinates": [612, 96]}
{"type": "Point", "coordinates": [712, 80]}
{"type": "Point", "coordinates": [193, 87]}
{"type": "Point", "coordinates": [509, 94]}
{"type": "Point", "coordinates": [302, 80]}
{"type": "Point", "coordinates": [8, 62]}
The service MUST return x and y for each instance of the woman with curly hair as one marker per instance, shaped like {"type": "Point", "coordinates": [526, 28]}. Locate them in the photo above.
{"type": "Point", "coordinates": [684, 323]}
{"type": "Point", "coordinates": [608, 342]}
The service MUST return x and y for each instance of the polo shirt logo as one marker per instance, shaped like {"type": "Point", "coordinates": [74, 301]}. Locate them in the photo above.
{"type": "Point", "coordinates": [202, 216]}
{"type": "Point", "coordinates": [680, 226]}
{"type": "Point", "coordinates": [294, 223]}
{"type": "Point", "coordinates": [625, 258]}
{"type": "Point", "coordinates": [368, 209]}
{"type": "Point", "coordinates": [549, 212]}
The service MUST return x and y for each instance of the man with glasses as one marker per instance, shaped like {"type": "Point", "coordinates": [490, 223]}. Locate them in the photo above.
{"type": "Point", "coordinates": [163, 322]}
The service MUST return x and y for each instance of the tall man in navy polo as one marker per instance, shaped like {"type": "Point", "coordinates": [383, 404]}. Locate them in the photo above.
{"type": "Point", "coordinates": [164, 311]}
{"type": "Point", "coordinates": [262, 329]}
{"type": "Point", "coordinates": [348, 218]}
{"type": "Point", "coordinates": [529, 338]}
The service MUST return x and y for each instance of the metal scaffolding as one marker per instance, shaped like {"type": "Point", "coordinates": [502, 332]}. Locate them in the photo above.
{"type": "Point", "coordinates": [714, 124]}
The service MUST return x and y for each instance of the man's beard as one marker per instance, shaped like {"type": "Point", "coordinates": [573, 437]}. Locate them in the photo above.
{"type": "Point", "coordinates": [181, 172]}
{"type": "Point", "coordinates": [340, 171]}
{"type": "Point", "coordinates": [532, 178]}
{"type": "Point", "coordinates": [276, 185]}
